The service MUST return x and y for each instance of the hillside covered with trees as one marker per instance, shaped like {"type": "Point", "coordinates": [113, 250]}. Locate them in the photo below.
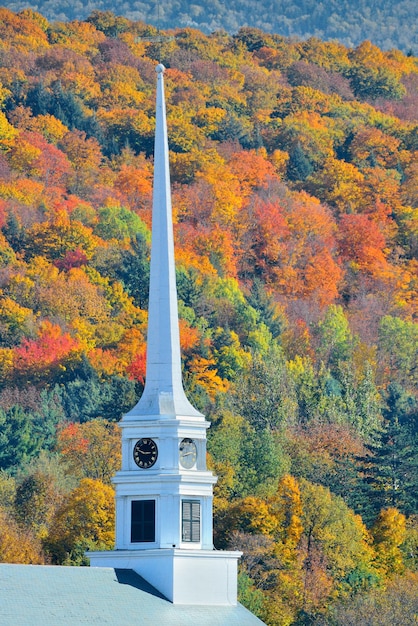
{"type": "Point", "coordinates": [295, 195]}
{"type": "Point", "coordinates": [387, 23]}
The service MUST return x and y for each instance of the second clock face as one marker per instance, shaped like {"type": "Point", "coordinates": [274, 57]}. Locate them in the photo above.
{"type": "Point", "coordinates": [145, 453]}
{"type": "Point", "coordinates": [187, 453]}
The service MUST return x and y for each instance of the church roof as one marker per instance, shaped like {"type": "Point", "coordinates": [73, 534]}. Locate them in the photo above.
{"type": "Point", "coordinates": [48, 595]}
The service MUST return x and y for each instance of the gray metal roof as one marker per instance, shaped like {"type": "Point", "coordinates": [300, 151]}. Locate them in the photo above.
{"type": "Point", "coordinates": [73, 596]}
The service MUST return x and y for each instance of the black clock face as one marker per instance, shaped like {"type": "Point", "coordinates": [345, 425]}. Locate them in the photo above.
{"type": "Point", "coordinates": [145, 453]}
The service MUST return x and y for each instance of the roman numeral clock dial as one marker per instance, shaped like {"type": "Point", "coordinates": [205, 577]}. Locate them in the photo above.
{"type": "Point", "coordinates": [145, 453]}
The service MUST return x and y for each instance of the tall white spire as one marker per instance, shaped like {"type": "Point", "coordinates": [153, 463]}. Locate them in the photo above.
{"type": "Point", "coordinates": [163, 394]}
{"type": "Point", "coordinates": [164, 491]}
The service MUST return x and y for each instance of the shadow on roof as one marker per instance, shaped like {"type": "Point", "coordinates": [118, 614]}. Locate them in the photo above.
{"type": "Point", "coordinates": [131, 578]}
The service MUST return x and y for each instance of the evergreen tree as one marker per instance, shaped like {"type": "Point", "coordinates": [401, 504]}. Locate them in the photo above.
{"type": "Point", "coordinates": [299, 166]}
{"type": "Point", "coordinates": [266, 307]}
{"type": "Point", "coordinates": [18, 438]}
{"type": "Point", "coordinates": [390, 467]}
{"type": "Point", "coordinates": [87, 399]}
{"type": "Point", "coordinates": [134, 270]}
{"type": "Point", "coordinates": [14, 232]}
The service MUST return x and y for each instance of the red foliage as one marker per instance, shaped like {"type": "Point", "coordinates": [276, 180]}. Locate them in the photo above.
{"type": "Point", "coordinates": [36, 358]}
{"type": "Point", "coordinates": [73, 258]}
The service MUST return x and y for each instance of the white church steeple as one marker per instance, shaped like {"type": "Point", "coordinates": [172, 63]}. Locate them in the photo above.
{"type": "Point", "coordinates": [163, 394]}
{"type": "Point", "coordinates": [164, 492]}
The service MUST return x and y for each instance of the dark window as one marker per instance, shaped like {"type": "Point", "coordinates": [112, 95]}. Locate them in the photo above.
{"type": "Point", "coordinates": [142, 520]}
{"type": "Point", "coordinates": [191, 520]}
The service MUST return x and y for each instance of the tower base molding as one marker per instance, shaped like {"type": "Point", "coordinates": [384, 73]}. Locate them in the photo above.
{"type": "Point", "coordinates": [203, 577]}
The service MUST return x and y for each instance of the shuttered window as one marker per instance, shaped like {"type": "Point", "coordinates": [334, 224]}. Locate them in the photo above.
{"type": "Point", "coordinates": [142, 521]}
{"type": "Point", "coordinates": [191, 521]}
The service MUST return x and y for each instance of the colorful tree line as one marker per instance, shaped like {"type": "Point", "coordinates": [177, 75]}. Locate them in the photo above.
{"type": "Point", "coordinates": [294, 169]}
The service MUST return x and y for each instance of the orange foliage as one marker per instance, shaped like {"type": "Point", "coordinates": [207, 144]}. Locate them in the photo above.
{"type": "Point", "coordinates": [105, 362]}
{"type": "Point", "coordinates": [362, 244]}
{"type": "Point", "coordinates": [138, 367]}
{"type": "Point", "coordinates": [216, 246]}
{"type": "Point", "coordinates": [374, 147]}
{"type": "Point", "coordinates": [291, 245]}
{"type": "Point", "coordinates": [189, 336]}
{"type": "Point", "coordinates": [136, 185]}
{"type": "Point", "coordinates": [252, 169]}
{"type": "Point", "coordinates": [322, 278]}
{"type": "Point", "coordinates": [21, 31]}
{"type": "Point", "coordinates": [70, 439]}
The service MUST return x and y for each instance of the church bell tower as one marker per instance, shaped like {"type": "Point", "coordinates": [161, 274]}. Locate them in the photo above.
{"type": "Point", "coordinates": [164, 491]}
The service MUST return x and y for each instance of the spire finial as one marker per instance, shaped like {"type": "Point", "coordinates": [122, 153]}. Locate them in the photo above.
{"type": "Point", "coordinates": [163, 394]}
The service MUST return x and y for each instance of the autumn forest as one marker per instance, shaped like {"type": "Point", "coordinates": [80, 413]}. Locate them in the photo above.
{"type": "Point", "coordinates": [294, 172]}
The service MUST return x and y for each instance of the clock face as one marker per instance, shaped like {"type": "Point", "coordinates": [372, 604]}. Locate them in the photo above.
{"type": "Point", "coordinates": [187, 453]}
{"type": "Point", "coordinates": [145, 453]}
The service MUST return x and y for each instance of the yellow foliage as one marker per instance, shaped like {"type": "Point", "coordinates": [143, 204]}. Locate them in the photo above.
{"type": "Point", "coordinates": [122, 87]}
{"type": "Point", "coordinates": [209, 119]}
{"type": "Point", "coordinates": [4, 93]}
{"type": "Point", "coordinates": [310, 99]}
{"type": "Point", "coordinates": [6, 362]}
{"type": "Point", "coordinates": [84, 332]}
{"type": "Point", "coordinates": [22, 156]}
{"type": "Point", "coordinates": [88, 513]}
{"type": "Point", "coordinates": [12, 312]}
{"type": "Point", "coordinates": [14, 316]}
{"type": "Point", "coordinates": [119, 121]}
{"type": "Point", "coordinates": [314, 133]}
{"type": "Point", "coordinates": [7, 132]}
{"type": "Point", "coordinates": [253, 515]}
{"type": "Point", "coordinates": [280, 159]}
{"type": "Point", "coordinates": [205, 373]}
{"type": "Point", "coordinates": [24, 190]}
{"type": "Point", "coordinates": [183, 135]}
{"type": "Point", "coordinates": [330, 55]}
{"type": "Point", "coordinates": [389, 532]}
{"type": "Point", "coordinates": [50, 127]}
{"type": "Point", "coordinates": [21, 289]}
{"type": "Point", "coordinates": [82, 37]}
{"type": "Point", "coordinates": [406, 289]}
{"type": "Point", "coordinates": [134, 43]}
{"type": "Point", "coordinates": [340, 183]}
{"type": "Point", "coordinates": [190, 259]}
{"type": "Point", "coordinates": [17, 545]}
{"type": "Point", "coordinates": [59, 235]}
{"type": "Point", "coordinates": [226, 190]}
